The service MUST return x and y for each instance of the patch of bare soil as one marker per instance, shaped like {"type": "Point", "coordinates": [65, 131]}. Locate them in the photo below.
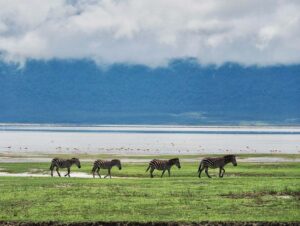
{"type": "Point", "coordinates": [250, 175]}
{"type": "Point", "coordinates": [293, 194]}
{"type": "Point", "coordinates": [150, 223]}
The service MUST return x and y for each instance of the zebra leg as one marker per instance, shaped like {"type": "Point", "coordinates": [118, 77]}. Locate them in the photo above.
{"type": "Point", "coordinates": [163, 173]}
{"type": "Point", "coordinates": [206, 171]}
{"type": "Point", "coordinates": [93, 170]}
{"type": "Point", "coordinates": [169, 172]}
{"type": "Point", "coordinates": [148, 168]}
{"type": "Point", "coordinates": [98, 172]}
{"type": "Point", "coordinates": [151, 172]}
{"type": "Point", "coordinates": [220, 172]}
{"type": "Point", "coordinates": [108, 174]}
{"type": "Point", "coordinates": [223, 172]}
{"type": "Point", "coordinates": [200, 171]}
{"type": "Point", "coordinates": [57, 171]}
{"type": "Point", "coordinates": [51, 168]}
{"type": "Point", "coordinates": [68, 173]}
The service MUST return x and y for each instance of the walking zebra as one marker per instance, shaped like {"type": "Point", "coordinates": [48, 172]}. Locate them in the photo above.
{"type": "Point", "coordinates": [163, 165]}
{"type": "Point", "coordinates": [216, 163]}
{"type": "Point", "coordinates": [63, 163]}
{"type": "Point", "coordinates": [102, 164]}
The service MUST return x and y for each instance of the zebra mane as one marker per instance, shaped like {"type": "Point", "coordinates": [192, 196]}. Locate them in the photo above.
{"type": "Point", "coordinates": [174, 160]}
{"type": "Point", "coordinates": [74, 160]}
{"type": "Point", "coordinates": [115, 160]}
{"type": "Point", "coordinates": [229, 157]}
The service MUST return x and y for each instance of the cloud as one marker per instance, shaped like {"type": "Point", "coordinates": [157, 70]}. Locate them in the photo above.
{"type": "Point", "coordinates": [151, 32]}
{"type": "Point", "coordinates": [190, 115]}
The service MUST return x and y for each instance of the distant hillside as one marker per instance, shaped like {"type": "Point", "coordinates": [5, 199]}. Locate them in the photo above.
{"type": "Point", "coordinates": [183, 93]}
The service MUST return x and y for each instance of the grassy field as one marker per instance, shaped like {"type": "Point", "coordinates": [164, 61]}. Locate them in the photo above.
{"type": "Point", "coordinates": [248, 192]}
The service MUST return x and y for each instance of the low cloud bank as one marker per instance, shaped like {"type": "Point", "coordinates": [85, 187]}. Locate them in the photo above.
{"type": "Point", "coordinates": [151, 32]}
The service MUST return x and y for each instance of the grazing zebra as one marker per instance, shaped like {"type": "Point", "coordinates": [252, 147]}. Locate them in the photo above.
{"type": "Point", "coordinates": [102, 164]}
{"type": "Point", "coordinates": [63, 163]}
{"type": "Point", "coordinates": [216, 163]}
{"type": "Point", "coordinates": [163, 165]}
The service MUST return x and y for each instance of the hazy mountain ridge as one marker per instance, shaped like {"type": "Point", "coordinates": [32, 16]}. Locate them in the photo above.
{"type": "Point", "coordinates": [185, 92]}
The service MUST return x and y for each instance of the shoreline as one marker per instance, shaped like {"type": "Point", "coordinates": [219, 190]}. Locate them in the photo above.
{"type": "Point", "coordinates": [35, 158]}
{"type": "Point", "coordinates": [149, 126]}
{"type": "Point", "coordinates": [156, 140]}
{"type": "Point", "coordinates": [146, 125]}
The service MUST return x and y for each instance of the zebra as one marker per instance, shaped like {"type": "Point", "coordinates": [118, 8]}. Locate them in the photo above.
{"type": "Point", "coordinates": [102, 164]}
{"type": "Point", "coordinates": [216, 163]}
{"type": "Point", "coordinates": [163, 165]}
{"type": "Point", "coordinates": [63, 163]}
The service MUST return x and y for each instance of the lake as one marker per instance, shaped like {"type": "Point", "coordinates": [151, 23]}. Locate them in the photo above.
{"type": "Point", "coordinates": [147, 140]}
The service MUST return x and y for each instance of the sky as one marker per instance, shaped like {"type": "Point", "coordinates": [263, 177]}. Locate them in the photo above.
{"type": "Point", "coordinates": [151, 32]}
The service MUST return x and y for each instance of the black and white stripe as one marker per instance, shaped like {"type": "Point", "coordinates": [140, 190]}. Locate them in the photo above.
{"type": "Point", "coordinates": [63, 163]}
{"type": "Point", "coordinates": [216, 163]}
{"type": "Point", "coordinates": [104, 164]}
{"type": "Point", "coordinates": [163, 165]}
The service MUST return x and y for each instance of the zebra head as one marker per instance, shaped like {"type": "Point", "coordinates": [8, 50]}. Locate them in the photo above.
{"type": "Point", "coordinates": [76, 162]}
{"type": "Point", "coordinates": [176, 162]}
{"type": "Point", "coordinates": [117, 162]}
{"type": "Point", "coordinates": [232, 159]}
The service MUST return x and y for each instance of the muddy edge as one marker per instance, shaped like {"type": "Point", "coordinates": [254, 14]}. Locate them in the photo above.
{"type": "Point", "coordinates": [7, 223]}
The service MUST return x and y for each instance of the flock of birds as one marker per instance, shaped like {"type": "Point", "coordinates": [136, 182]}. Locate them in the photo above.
{"type": "Point", "coordinates": [201, 149]}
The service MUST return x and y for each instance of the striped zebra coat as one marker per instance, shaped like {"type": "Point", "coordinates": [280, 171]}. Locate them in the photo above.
{"type": "Point", "coordinates": [104, 164]}
{"type": "Point", "coordinates": [63, 163]}
{"type": "Point", "coordinates": [163, 165]}
{"type": "Point", "coordinates": [216, 163]}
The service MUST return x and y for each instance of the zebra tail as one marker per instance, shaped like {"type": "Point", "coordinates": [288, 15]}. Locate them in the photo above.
{"type": "Point", "coordinates": [148, 168]}
{"type": "Point", "coordinates": [200, 167]}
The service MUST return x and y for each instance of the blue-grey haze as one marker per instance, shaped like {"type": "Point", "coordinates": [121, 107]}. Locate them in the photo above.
{"type": "Point", "coordinates": [184, 92]}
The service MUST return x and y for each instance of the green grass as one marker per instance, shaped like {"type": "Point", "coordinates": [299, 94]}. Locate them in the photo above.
{"type": "Point", "coordinates": [248, 192]}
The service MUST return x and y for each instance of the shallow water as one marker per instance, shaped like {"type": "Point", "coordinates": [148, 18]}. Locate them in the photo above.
{"type": "Point", "coordinates": [73, 175]}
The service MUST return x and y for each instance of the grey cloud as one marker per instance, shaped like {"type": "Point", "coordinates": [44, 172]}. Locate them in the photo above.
{"type": "Point", "coordinates": [151, 32]}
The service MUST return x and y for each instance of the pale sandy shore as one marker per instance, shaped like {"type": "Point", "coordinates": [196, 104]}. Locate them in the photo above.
{"type": "Point", "coordinates": [146, 160]}
{"type": "Point", "coordinates": [146, 144]}
{"type": "Point", "coordinates": [147, 140]}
